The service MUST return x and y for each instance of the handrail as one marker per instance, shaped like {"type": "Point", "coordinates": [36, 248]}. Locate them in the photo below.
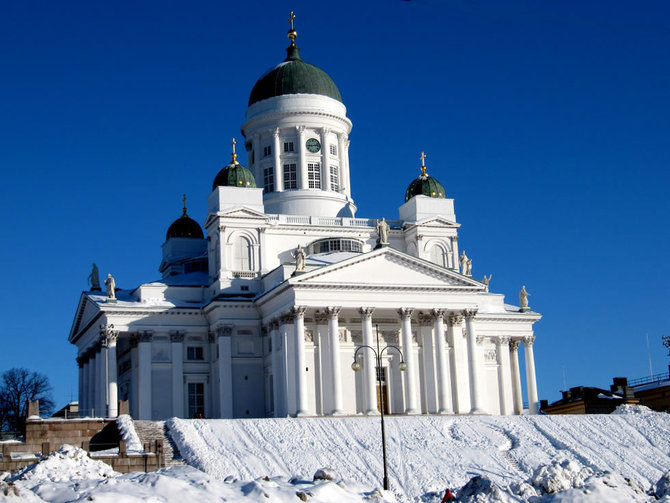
{"type": "Point", "coordinates": [663, 376]}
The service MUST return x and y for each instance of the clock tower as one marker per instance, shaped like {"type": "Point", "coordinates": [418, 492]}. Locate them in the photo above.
{"type": "Point", "coordinates": [297, 139]}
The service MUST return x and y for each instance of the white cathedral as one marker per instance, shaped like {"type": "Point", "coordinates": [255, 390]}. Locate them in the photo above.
{"type": "Point", "coordinates": [269, 311]}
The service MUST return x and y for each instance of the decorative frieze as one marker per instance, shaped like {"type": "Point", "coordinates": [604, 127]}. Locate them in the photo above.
{"type": "Point", "coordinates": [177, 336]}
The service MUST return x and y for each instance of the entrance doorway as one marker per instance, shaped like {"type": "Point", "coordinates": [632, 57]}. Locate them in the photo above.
{"type": "Point", "coordinates": [382, 390]}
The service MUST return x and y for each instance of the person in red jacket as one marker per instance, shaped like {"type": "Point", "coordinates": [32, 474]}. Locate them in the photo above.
{"type": "Point", "coordinates": [448, 496]}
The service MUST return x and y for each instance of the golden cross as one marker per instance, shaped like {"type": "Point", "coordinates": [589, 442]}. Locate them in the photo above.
{"type": "Point", "coordinates": [423, 163]}
{"type": "Point", "coordinates": [234, 154]}
{"type": "Point", "coordinates": [290, 20]}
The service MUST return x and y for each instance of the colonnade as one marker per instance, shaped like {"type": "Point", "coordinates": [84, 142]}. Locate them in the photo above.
{"type": "Point", "coordinates": [449, 382]}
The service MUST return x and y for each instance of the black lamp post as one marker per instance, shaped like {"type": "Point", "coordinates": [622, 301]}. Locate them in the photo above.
{"type": "Point", "coordinates": [378, 358]}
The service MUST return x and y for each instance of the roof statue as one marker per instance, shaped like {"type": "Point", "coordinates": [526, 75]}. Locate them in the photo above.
{"type": "Point", "coordinates": [383, 231]}
{"type": "Point", "coordinates": [523, 299]}
{"type": "Point", "coordinates": [486, 280]}
{"type": "Point", "coordinates": [299, 256]}
{"type": "Point", "coordinates": [111, 287]}
{"type": "Point", "coordinates": [94, 279]}
{"type": "Point", "coordinates": [466, 264]}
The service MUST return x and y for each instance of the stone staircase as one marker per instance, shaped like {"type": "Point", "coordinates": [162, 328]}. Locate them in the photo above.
{"type": "Point", "coordinates": [151, 431]}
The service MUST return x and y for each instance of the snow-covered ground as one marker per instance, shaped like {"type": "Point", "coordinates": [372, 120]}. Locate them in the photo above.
{"type": "Point", "coordinates": [535, 459]}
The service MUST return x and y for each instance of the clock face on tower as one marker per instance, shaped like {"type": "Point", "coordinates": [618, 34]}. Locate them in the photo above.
{"type": "Point", "coordinates": [313, 145]}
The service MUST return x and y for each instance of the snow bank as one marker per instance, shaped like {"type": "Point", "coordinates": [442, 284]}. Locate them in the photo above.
{"type": "Point", "coordinates": [429, 453]}
{"type": "Point", "coordinates": [128, 433]}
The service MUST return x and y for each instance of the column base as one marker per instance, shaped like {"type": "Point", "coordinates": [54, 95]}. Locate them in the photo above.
{"type": "Point", "coordinates": [478, 412]}
{"type": "Point", "coordinates": [443, 412]}
{"type": "Point", "coordinates": [412, 412]}
{"type": "Point", "coordinates": [336, 413]}
{"type": "Point", "coordinates": [371, 412]}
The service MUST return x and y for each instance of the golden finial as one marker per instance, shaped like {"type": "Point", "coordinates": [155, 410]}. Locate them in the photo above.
{"type": "Point", "coordinates": [292, 34]}
{"type": "Point", "coordinates": [423, 164]}
{"type": "Point", "coordinates": [234, 154]}
{"type": "Point", "coordinates": [184, 210]}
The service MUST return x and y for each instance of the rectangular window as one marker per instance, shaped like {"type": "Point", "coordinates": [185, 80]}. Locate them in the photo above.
{"type": "Point", "coordinates": [290, 177]}
{"type": "Point", "coordinates": [196, 399]}
{"type": "Point", "coordinates": [267, 151]}
{"type": "Point", "coordinates": [334, 179]}
{"type": "Point", "coordinates": [194, 353]}
{"type": "Point", "coordinates": [333, 150]}
{"type": "Point", "coordinates": [314, 175]}
{"type": "Point", "coordinates": [269, 179]}
{"type": "Point", "coordinates": [288, 146]}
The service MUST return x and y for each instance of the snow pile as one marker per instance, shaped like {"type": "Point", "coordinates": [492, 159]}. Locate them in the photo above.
{"type": "Point", "coordinates": [128, 433]}
{"type": "Point", "coordinates": [66, 464]}
{"type": "Point", "coordinates": [662, 487]}
{"type": "Point", "coordinates": [632, 409]}
{"type": "Point", "coordinates": [481, 489]}
{"type": "Point", "coordinates": [559, 476]}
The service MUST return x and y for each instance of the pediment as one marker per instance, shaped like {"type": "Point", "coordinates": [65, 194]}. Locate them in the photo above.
{"type": "Point", "coordinates": [440, 222]}
{"type": "Point", "coordinates": [388, 268]}
{"type": "Point", "coordinates": [242, 212]}
{"type": "Point", "coordinates": [86, 311]}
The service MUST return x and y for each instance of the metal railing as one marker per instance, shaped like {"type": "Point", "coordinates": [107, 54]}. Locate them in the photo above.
{"type": "Point", "coordinates": [663, 376]}
{"type": "Point", "coordinates": [331, 221]}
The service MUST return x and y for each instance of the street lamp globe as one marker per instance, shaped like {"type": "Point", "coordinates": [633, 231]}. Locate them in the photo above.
{"type": "Point", "coordinates": [355, 366]}
{"type": "Point", "coordinates": [402, 366]}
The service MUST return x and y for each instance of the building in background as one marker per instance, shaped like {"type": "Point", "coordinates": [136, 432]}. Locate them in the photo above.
{"type": "Point", "coordinates": [260, 313]}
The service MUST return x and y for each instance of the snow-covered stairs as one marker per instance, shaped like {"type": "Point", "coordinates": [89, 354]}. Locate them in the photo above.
{"type": "Point", "coordinates": [150, 431]}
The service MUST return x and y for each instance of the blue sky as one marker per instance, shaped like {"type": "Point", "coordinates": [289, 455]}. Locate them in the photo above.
{"type": "Point", "coordinates": [547, 122]}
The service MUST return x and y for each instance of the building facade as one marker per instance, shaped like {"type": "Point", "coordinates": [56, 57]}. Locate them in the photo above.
{"type": "Point", "coordinates": [261, 314]}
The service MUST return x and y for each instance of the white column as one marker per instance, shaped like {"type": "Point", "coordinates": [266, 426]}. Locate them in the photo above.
{"type": "Point", "coordinates": [300, 372]}
{"type": "Point", "coordinates": [277, 374]}
{"type": "Point", "coordinates": [84, 405]}
{"type": "Point", "coordinates": [443, 381]}
{"type": "Point", "coordinates": [429, 377]}
{"type": "Point", "coordinates": [144, 405]}
{"type": "Point", "coordinates": [516, 376]}
{"type": "Point", "coordinates": [454, 251]}
{"type": "Point", "coordinates": [408, 352]}
{"type": "Point", "coordinates": [101, 382]}
{"type": "Point", "coordinates": [279, 169]}
{"type": "Point", "coordinates": [369, 363]}
{"type": "Point", "coordinates": [302, 163]}
{"type": "Point", "coordinates": [81, 364]}
{"type": "Point", "coordinates": [112, 378]}
{"type": "Point", "coordinates": [134, 376]}
{"type": "Point", "coordinates": [288, 361]}
{"type": "Point", "coordinates": [177, 347]}
{"type": "Point", "coordinates": [325, 160]}
{"type": "Point", "coordinates": [346, 187]}
{"type": "Point", "coordinates": [473, 363]}
{"type": "Point", "coordinates": [531, 382]}
{"type": "Point", "coordinates": [504, 379]}
{"type": "Point", "coordinates": [460, 386]}
{"type": "Point", "coordinates": [335, 361]}
{"type": "Point", "coordinates": [225, 363]}
{"type": "Point", "coordinates": [325, 402]}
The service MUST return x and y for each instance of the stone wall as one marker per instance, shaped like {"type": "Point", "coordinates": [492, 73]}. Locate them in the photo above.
{"type": "Point", "coordinates": [97, 436]}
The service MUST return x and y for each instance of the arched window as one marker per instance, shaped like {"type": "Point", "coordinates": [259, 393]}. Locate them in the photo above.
{"type": "Point", "coordinates": [241, 254]}
{"type": "Point", "coordinates": [438, 255]}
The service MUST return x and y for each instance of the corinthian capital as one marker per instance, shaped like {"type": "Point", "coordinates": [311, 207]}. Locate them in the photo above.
{"type": "Point", "coordinates": [299, 311]}
{"type": "Point", "coordinates": [405, 312]}
{"type": "Point", "coordinates": [455, 319]}
{"type": "Point", "coordinates": [333, 312]}
{"type": "Point", "coordinates": [514, 344]}
{"type": "Point", "coordinates": [366, 312]}
{"type": "Point", "coordinates": [438, 313]}
{"type": "Point", "coordinates": [528, 341]}
{"type": "Point", "coordinates": [470, 314]}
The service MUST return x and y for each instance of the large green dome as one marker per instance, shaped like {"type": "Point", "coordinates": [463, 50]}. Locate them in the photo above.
{"type": "Point", "coordinates": [294, 76]}
{"type": "Point", "coordinates": [234, 175]}
{"type": "Point", "coordinates": [425, 185]}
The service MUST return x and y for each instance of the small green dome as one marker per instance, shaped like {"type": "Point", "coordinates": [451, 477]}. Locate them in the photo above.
{"type": "Point", "coordinates": [234, 175]}
{"type": "Point", "coordinates": [184, 227]}
{"type": "Point", "coordinates": [294, 76]}
{"type": "Point", "coordinates": [425, 185]}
